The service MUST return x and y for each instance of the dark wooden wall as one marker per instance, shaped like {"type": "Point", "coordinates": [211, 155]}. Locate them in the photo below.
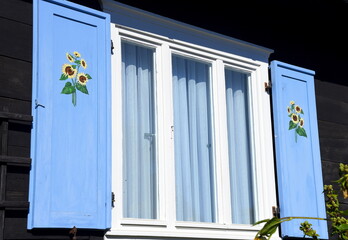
{"type": "Point", "coordinates": [15, 125]}
{"type": "Point", "coordinates": [332, 108]}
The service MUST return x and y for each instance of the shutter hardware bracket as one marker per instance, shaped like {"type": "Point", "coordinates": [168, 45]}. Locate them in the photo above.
{"type": "Point", "coordinates": [268, 86]}
{"type": "Point", "coordinates": [276, 212]}
{"type": "Point", "coordinates": [72, 233]}
{"type": "Point", "coordinates": [112, 199]}
{"type": "Point", "coordinates": [112, 47]}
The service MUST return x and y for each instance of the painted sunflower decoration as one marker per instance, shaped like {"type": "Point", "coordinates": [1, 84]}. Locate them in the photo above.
{"type": "Point", "coordinates": [76, 80]}
{"type": "Point", "coordinates": [295, 112]}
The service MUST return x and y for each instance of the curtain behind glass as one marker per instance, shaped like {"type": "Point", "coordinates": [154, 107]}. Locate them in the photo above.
{"type": "Point", "coordinates": [192, 129]}
{"type": "Point", "coordinates": [239, 147]}
{"type": "Point", "coordinates": [139, 160]}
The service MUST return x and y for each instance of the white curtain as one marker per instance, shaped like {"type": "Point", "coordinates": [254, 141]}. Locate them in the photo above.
{"type": "Point", "coordinates": [239, 147]}
{"type": "Point", "coordinates": [195, 197]}
{"type": "Point", "coordinates": [139, 160]}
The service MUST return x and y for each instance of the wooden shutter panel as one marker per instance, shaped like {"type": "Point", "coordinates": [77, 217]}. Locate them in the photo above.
{"type": "Point", "coordinates": [299, 174]}
{"type": "Point", "coordinates": [70, 178]}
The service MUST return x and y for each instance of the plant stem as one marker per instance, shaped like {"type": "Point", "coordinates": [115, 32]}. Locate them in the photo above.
{"type": "Point", "coordinates": [291, 218]}
{"type": "Point", "coordinates": [74, 98]}
{"type": "Point", "coordinates": [295, 136]}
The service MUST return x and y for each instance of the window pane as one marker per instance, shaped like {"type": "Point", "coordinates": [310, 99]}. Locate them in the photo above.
{"type": "Point", "coordinates": [240, 159]}
{"type": "Point", "coordinates": [195, 190]}
{"type": "Point", "coordinates": [139, 133]}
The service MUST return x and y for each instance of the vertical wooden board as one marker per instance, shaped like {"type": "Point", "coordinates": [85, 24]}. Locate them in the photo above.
{"type": "Point", "coordinates": [71, 106]}
{"type": "Point", "coordinates": [299, 173]}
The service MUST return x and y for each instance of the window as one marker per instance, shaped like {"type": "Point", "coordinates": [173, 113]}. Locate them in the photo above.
{"type": "Point", "coordinates": [191, 128]}
{"type": "Point", "coordinates": [194, 161]}
{"type": "Point", "coordinates": [139, 132]}
{"type": "Point", "coordinates": [239, 147]}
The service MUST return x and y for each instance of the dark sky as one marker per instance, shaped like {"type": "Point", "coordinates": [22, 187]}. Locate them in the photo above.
{"type": "Point", "coordinates": [308, 33]}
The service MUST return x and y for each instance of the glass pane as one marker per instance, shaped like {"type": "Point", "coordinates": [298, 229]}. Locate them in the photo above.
{"type": "Point", "coordinates": [240, 159]}
{"type": "Point", "coordinates": [139, 133]}
{"type": "Point", "coordinates": [195, 178]}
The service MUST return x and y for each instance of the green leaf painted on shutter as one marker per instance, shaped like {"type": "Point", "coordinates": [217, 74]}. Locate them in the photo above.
{"type": "Point", "coordinates": [82, 88]}
{"type": "Point", "coordinates": [68, 88]}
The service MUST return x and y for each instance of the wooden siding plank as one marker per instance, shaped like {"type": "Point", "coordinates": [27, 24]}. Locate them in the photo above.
{"type": "Point", "coordinates": [14, 204]}
{"type": "Point", "coordinates": [15, 79]}
{"type": "Point", "coordinates": [16, 116]}
{"type": "Point", "coordinates": [334, 150]}
{"type": "Point", "coordinates": [16, 40]}
{"type": "Point", "coordinates": [3, 172]}
{"type": "Point", "coordinates": [19, 135]}
{"type": "Point", "coordinates": [332, 110]}
{"type": "Point", "coordinates": [17, 10]}
{"type": "Point", "coordinates": [15, 160]}
{"type": "Point", "coordinates": [17, 106]}
{"type": "Point", "coordinates": [17, 183]}
{"type": "Point", "coordinates": [332, 130]}
{"type": "Point", "coordinates": [331, 90]}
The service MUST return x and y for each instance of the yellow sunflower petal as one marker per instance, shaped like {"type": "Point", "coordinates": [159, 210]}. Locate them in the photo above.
{"type": "Point", "coordinates": [69, 57]}
{"type": "Point", "coordinates": [65, 67]}
{"type": "Point", "coordinates": [294, 118]}
{"type": "Point", "coordinates": [77, 54]}
{"type": "Point", "coordinates": [82, 78]}
{"type": "Point", "coordinates": [83, 63]}
{"type": "Point", "coordinates": [298, 109]}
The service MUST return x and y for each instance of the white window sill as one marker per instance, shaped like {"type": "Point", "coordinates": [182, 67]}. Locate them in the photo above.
{"type": "Point", "coordinates": [155, 229]}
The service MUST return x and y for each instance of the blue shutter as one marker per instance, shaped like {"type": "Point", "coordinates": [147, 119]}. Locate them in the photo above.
{"type": "Point", "coordinates": [70, 178]}
{"type": "Point", "coordinates": [299, 174]}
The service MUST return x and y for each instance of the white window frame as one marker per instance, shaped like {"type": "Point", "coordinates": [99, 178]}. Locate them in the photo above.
{"type": "Point", "coordinates": [166, 225]}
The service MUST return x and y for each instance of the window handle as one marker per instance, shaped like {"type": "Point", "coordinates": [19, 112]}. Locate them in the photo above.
{"type": "Point", "coordinates": [149, 136]}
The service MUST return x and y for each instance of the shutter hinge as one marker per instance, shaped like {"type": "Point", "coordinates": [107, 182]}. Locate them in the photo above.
{"type": "Point", "coordinates": [72, 233]}
{"type": "Point", "coordinates": [112, 47]}
{"type": "Point", "coordinates": [112, 199]}
{"type": "Point", "coordinates": [268, 86]}
{"type": "Point", "coordinates": [276, 212]}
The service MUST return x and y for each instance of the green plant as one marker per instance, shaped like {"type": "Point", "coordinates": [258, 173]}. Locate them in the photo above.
{"type": "Point", "coordinates": [336, 217]}
{"type": "Point", "coordinates": [271, 226]}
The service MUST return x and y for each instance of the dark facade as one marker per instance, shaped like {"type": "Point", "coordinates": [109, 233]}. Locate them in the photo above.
{"type": "Point", "coordinates": [308, 50]}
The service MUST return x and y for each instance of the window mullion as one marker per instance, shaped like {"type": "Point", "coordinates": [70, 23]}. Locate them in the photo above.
{"type": "Point", "coordinates": [167, 163]}
{"type": "Point", "coordinates": [221, 146]}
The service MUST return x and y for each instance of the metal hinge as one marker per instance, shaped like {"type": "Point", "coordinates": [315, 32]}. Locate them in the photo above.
{"type": "Point", "coordinates": [112, 199]}
{"type": "Point", "coordinates": [276, 212]}
{"type": "Point", "coordinates": [112, 47]}
{"type": "Point", "coordinates": [268, 86]}
{"type": "Point", "coordinates": [72, 233]}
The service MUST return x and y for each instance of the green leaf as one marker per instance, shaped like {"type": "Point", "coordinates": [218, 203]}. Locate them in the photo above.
{"type": "Point", "coordinates": [63, 77]}
{"type": "Point", "coordinates": [302, 111]}
{"type": "Point", "coordinates": [78, 62]}
{"type": "Point", "coordinates": [270, 227]}
{"type": "Point", "coordinates": [343, 227]}
{"type": "Point", "coordinates": [301, 131]}
{"type": "Point", "coordinates": [73, 66]}
{"type": "Point", "coordinates": [262, 221]}
{"type": "Point", "coordinates": [82, 88]}
{"type": "Point", "coordinates": [88, 76]}
{"type": "Point", "coordinates": [292, 125]}
{"type": "Point", "coordinates": [68, 88]}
